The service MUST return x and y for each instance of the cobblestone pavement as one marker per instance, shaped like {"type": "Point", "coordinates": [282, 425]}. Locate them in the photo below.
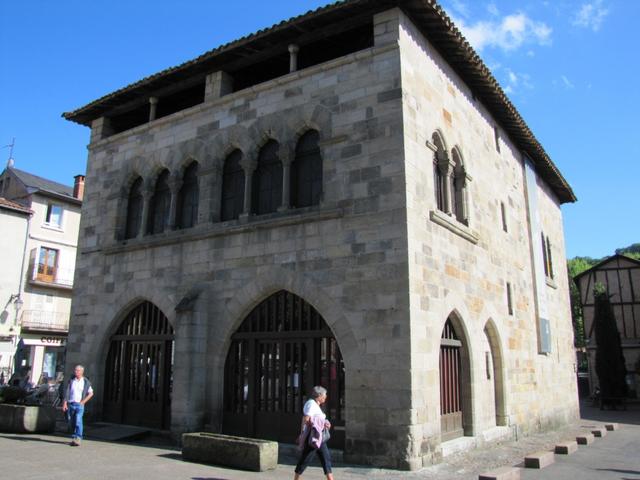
{"type": "Point", "coordinates": [616, 456]}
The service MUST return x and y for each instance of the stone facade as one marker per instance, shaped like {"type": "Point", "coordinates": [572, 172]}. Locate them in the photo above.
{"type": "Point", "coordinates": [377, 260]}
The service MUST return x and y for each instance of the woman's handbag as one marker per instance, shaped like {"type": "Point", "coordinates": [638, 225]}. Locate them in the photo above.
{"type": "Point", "coordinates": [325, 435]}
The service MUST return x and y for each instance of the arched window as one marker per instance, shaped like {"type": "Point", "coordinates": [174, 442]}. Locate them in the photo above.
{"type": "Point", "coordinates": [267, 180]}
{"type": "Point", "coordinates": [232, 187]}
{"type": "Point", "coordinates": [188, 198]}
{"type": "Point", "coordinates": [306, 172]}
{"type": "Point", "coordinates": [160, 204]}
{"type": "Point", "coordinates": [438, 178]}
{"type": "Point", "coordinates": [458, 188]}
{"type": "Point", "coordinates": [134, 209]}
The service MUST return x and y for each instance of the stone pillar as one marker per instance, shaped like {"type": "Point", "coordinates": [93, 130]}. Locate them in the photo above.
{"type": "Point", "coordinates": [190, 367]}
{"type": "Point", "coordinates": [217, 84]}
{"type": "Point", "coordinates": [446, 170]}
{"type": "Point", "coordinates": [153, 108]}
{"type": "Point", "coordinates": [174, 185]}
{"type": "Point", "coordinates": [286, 182]}
{"type": "Point", "coordinates": [293, 57]}
{"type": "Point", "coordinates": [100, 128]}
{"type": "Point", "coordinates": [210, 188]}
{"type": "Point", "coordinates": [386, 26]}
{"type": "Point", "coordinates": [249, 168]}
{"type": "Point", "coordinates": [461, 185]}
{"type": "Point", "coordinates": [147, 195]}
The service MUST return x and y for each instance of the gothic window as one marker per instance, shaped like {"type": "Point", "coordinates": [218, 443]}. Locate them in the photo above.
{"type": "Point", "coordinates": [232, 187]}
{"type": "Point", "coordinates": [306, 172]}
{"type": "Point", "coordinates": [438, 178]}
{"type": "Point", "coordinates": [134, 209]}
{"type": "Point", "coordinates": [267, 180]}
{"type": "Point", "coordinates": [160, 204]}
{"type": "Point", "coordinates": [188, 198]}
{"type": "Point", "coordinates": [458, 188]}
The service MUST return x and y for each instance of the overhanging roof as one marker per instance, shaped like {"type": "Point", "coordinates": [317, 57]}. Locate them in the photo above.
{"type": "Point", "coordinates": [428, 16]}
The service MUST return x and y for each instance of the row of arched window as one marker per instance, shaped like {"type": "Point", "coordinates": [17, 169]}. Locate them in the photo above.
{"type": "Point", "coordinates": [247, 187]}
{"type": "Point", "coordinates": [450, 180]}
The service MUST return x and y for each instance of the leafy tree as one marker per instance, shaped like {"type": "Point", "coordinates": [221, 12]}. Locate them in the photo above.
{"type": "Point", "coordinates": [610, 365]}
{"type": "Point", "coordinates": [576, 266]}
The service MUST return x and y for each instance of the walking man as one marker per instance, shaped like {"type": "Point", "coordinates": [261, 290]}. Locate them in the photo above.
{"type": "Point", "coordinates": [77, 393]}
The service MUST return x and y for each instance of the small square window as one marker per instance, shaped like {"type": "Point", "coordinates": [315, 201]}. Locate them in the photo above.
{"type": "Point", "coordinates": [54, 215]}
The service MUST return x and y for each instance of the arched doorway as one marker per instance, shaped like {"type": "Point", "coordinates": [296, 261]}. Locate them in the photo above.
{"type": "Point", "coordinates": [281, 350]}
{"type": "Point", "coordinates": [139, 368]}
{"type": "Point", "coordinates": [454, 384]}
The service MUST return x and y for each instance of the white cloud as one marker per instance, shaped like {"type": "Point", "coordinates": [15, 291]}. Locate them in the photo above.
{"type": "Point", "coordinates": [460, 8]}
{"type": "Point", "coordinates": [591, 15]}
{"type": "Point", "coordinates": [515, 82]}
{"type": "Point", "coordinates": [567, 83]}
{"type": "Point", "coordinates": [492, 8]}
{"type": "Point", "coordinates": [508, 33]}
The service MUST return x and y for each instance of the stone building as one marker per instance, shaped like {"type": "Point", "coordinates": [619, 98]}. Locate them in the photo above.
{"type": "Point", "coordinates": [346, 198]}
{"type": "Point", "coordinates": [47, 255]}
{"type": "Point", "coordinates": [14, 219]}
{"type": "Point", "coordinates": [621, 277]}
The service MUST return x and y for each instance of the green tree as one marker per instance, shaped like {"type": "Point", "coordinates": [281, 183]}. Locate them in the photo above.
{"type": "Point", "coordinates": [576, 266]}
{"type": "Point", "coordinates": [610, 365]}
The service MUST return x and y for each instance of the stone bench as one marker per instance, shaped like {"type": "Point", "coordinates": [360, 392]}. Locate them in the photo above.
{"type": "Point", "coordinates": [585, 439]}
{"type": "Point", "coordinates": [539, 460]}
{"type": "Point", "coordinates": [228, 451]}
{"type": "Point", "coordinates": [27, 419]}
{"type": "Point", "coordinates": [566, 448]}
{"type": "Point", "coordinates": [612, 426]}
{"type": "Point", "coordinates": [502, 473]}
{"type": "Point", "coordinates": [599, 432]}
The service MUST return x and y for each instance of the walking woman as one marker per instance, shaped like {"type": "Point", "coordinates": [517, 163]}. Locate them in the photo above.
{"type": "Point", "coordinates": [314, 419]}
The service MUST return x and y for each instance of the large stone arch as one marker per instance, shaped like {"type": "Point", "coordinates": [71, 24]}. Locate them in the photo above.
{"type": "Point", "coordinates": [232, 308]}
{"type": "Point", "coordinates": [494, 338]}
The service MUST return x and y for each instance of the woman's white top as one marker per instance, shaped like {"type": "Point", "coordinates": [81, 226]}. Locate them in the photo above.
{"type": "Point", "coordinates": [311, 409]}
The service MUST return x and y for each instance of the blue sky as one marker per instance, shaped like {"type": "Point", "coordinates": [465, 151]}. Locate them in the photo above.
{"type": "Point", "coordinates": [570, 66]}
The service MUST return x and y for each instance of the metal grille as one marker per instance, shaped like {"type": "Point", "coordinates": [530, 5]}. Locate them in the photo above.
{"type": "Point", "coordinates": [280, 351]}
{"type": "Point", "coordinates": [139, 368]}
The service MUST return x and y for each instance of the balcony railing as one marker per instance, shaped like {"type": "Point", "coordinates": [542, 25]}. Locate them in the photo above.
{"type": "Point", "coordinates": [54, 276]}
{"type": "Point", "coordinates": [43, 320]}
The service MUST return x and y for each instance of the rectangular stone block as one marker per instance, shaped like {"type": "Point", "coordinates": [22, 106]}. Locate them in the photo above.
{"type": "Point", "coordinates": [599, 432]}
{"type": "Point", "coordinates": [539, 460]}
{"type": "Point", "coordinates": [612, 426]}
{"type": "Point", "coordinates": [566, 448]}
{"type": "Point", "coordinates": [226, 450]}
{"type": "Point", "coordinates": [585, 439]}
{"type": "Point", "coordinates": [502, 473]}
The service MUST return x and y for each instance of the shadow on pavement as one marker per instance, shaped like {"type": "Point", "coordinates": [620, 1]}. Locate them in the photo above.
{"type": "Point", "coordinates": [630, 416]}
{"type": "Point", "coordinates": [207, 478]}
{"type": "Point", "coordinates": [35, 439]}
{"type": "Point", "coordinates": [617, 470]}
{"type": "Point", "coordinates": [171, 456]}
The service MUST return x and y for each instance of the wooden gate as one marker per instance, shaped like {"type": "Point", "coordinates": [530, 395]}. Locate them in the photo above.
{"type": "Point", "coordinates": [138, 370]}
{"type": "Point", "coordinates": [281, 350]}
{"type": "Point", "coordinates": [450, 398]}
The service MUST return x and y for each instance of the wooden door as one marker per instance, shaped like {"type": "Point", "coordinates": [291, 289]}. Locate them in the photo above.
{"type": "Point", "coordinates": [450, 398]}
